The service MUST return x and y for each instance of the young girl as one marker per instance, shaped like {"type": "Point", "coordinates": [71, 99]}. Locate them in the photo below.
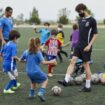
{"type": "Point", "coordinates": [53, 45]}
{"type": "Point", "coordinates": [33, 58]}
{"type": "Point", "coordinates": [8, 52]}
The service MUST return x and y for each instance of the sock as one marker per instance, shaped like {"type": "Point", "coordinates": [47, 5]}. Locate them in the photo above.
{"type": "Point", "coordinates": [14, 82]}
{"type": "Point", "coordinates": [32, 92]}
{"type": "Point", "coordinates": [88, 83]}
{"type": "Point", "coordinates": [9, 85]}
{"type": "Point", "coordinates": [49, 68]}
{"type": "Point", "coordinates": [67, 77]}
{"type": "Point", "coordinates": [42, 90]}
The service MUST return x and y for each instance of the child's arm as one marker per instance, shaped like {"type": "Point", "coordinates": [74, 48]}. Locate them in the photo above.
{"type": "Point", "coordinates": [16, 58]}
{"type": "Point", "coordinates": [23, 57]}
{"type": "Point", "coordinates": [52, 62]}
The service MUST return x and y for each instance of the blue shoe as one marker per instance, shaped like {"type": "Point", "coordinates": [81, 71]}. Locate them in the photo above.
{"type": "Point", "coordinates": [41, 96]}
{"type": "Point", "coordinates": [31, 94]}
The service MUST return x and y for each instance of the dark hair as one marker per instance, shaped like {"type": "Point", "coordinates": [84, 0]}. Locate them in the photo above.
{"type": "Point", "coordinates": [60, 25]}
{"type": "Point", "coordinates": [34, 45]}
{"type": "Point", "coordinates": [14, 34]}
{"type": "Point", "coordinates": [75, 26]}
{"type": "Point", "coordinates": [8, 9]}
{"type": "Point", "coordinates": [47, 23]}
{"type": "Point", "coordinates": [80, 7]}
{"type": "Point", "coordinates": [54, 32]}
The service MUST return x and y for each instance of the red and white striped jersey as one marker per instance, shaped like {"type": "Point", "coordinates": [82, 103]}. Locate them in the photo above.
{"type": "Point", "coordinates": [53, 45]}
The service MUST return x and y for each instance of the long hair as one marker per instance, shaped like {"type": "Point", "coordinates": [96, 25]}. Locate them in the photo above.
{"type": "Point", "coordinates": [34, 45]}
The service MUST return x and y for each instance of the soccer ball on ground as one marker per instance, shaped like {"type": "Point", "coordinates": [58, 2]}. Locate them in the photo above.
{"type": "Point", "coordinates": [56, 90]}
{"type": "Point", "coordinates": [78, 80]}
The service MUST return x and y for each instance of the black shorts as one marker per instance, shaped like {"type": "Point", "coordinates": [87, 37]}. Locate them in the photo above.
{"type": "Point", "coordinates": [85, 56]}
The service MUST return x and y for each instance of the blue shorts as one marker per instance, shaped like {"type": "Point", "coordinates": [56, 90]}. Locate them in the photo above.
{"type": "Point", "coordinates": [51, 57]}
{"type": "Point", "coordinates": [37, 76]}
{"type": "Point", "coordinates": [7, 67]}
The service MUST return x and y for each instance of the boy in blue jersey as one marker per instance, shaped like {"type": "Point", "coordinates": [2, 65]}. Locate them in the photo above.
{"type": "Point", "coordinates": [6, 26]}
{"type": "Point", "coordinates": [44, 33]}
{"type": "Point", "coordinates": [8, 52]}
{"type": "Point", "coordinates": [33, 58]}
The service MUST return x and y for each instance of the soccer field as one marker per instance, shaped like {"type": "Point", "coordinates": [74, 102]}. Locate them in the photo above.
{"type": "Point", "coordinates": [70, 94]}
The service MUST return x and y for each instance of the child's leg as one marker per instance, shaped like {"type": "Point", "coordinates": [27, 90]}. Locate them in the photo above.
{"type": "Point", "coordinates": [50, 70]}
{"type": "Point", "coordinates": [15, 85]}
{"type": "Point", "coordinates": [32, 91]}
{"type": "Point", "coordinates": [10, 83]}
{"type": "Point", "coordinates": [42, 90]}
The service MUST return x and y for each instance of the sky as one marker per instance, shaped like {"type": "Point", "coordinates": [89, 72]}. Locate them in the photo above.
{"type": "Point", "coordinates": [49, 9]}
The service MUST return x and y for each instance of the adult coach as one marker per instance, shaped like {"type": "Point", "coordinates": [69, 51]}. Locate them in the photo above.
{"type": "Point", "coordinates": [87, 36]}
{"type": "Point", "coordinates": [6, 25]}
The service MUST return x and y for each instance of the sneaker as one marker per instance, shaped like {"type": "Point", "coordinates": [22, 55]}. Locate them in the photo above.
{"type": "Point", "coordinates": [9, 91]}
{"type": "Point", "coordinates": [15, 88]}
{"type": "Point", "coordinates": [84, 89]}
{"type": "Point", "coordinates": [31, 94]}
{"type": "Point", "coordinates": [50, 74]}
{"type": "Point", "coordinates": [63, 82]}
{"type": "Point", "coordinates": [41, 96]}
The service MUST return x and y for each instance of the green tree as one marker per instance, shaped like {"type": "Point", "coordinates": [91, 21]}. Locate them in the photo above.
{"type": "Point", "coordinates": [34, 16]}
{"type": "Point", "coordinates": [63, 16]}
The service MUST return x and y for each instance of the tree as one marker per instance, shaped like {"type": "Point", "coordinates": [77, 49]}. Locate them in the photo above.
{"type": "Point", "coordinates": [34, 17]}
{"type": "Point", "coordinates": [63, 16]}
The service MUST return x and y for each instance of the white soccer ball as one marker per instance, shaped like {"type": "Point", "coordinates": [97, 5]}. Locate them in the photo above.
{"type": "Point", "coordinates": [78, 80]}
{"type": "Point", "coordinates": [56, 90]}
{"type": "Point", "coordinates": [72, 82]}
{"type": "Point", "coordinates": [95, 78]}
{"type": "Point", "coordinates": [83, 76]}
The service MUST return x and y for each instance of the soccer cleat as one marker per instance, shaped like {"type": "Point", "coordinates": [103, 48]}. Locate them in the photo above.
{"type": "Point", "coordinates": [15, 88]}
{"type": "Point", "coordinates": [84, 89]}
{"type": "Point", "coordinates": [63, 82]}
{"type": "Point", "coordinates": [9, 91]}
{"type": "Point", "coordinates": [31, 94]}
{"type": "Point", "coordinates": [41, 96]}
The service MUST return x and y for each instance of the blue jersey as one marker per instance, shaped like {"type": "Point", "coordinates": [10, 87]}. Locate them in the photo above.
{"type": "Point", "coordinates": [33, 69]}
{"type": "Point", "coordinates": [8, 51]}
{"type": "Point", "coordinates": [6, 25]}
{"type": "Point", "coordinates": [45, 33]}
{"type": "Point", "coordinates": [32, 61]}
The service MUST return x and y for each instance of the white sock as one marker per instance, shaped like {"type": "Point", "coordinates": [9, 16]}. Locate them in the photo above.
{"type": "Point", "coordinates": [67, 77]}
{"type": "Point", "coordinates": [88, 83]}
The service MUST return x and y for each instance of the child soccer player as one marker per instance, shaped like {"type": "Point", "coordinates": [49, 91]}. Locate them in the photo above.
{"type": "Point", "coordinates": [74, 38]}
{"type": "Point", "coordinates": [53, 45]}
{"type": "Point", "coordinates": [44, 34]}
{"type": "Point", "coordinates": [33, 58]}
{"type": "Point", "coordinates": [60, 36]}
{"type": "Point", "coordinates": [8, 52]}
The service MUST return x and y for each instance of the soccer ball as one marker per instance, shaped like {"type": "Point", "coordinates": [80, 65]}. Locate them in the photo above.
{"type": "Point", "coordinates": [83, 76]}
{"type": "Point", "coordinates": [56, 90]}
{"type": "Point", "coordinates": [72, 81]}
{"type": "Point", "coordinates": [78, 80]}
{"type": "Point", "coordinates": [95, 78]}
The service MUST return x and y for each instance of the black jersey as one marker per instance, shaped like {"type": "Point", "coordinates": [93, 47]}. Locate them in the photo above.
{"type": "Point", "coordinates": [87, 28]}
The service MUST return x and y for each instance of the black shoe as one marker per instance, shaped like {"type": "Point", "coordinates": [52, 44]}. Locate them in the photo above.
{"type": "Point", "coordinates": [84, 89]}
{"type": "Point", "coordinates": [63, 82]}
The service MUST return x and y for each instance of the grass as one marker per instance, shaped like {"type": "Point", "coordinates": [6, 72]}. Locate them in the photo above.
{"type": "Point", "coordinates": [69, 95]}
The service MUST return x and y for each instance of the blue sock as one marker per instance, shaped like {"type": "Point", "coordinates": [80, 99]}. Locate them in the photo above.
{"type": "Point", "coordinates": [14, 82]}
{"type": "Point", "coordinates": [9, 85]}
{"type": "Point", "coordinates": [32, 92]}
{"type": "Point", "coordinates": [42, 90]}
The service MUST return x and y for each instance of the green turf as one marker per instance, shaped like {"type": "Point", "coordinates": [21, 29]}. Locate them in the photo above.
{"type": "Point", "coordinates": [69, 95]}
